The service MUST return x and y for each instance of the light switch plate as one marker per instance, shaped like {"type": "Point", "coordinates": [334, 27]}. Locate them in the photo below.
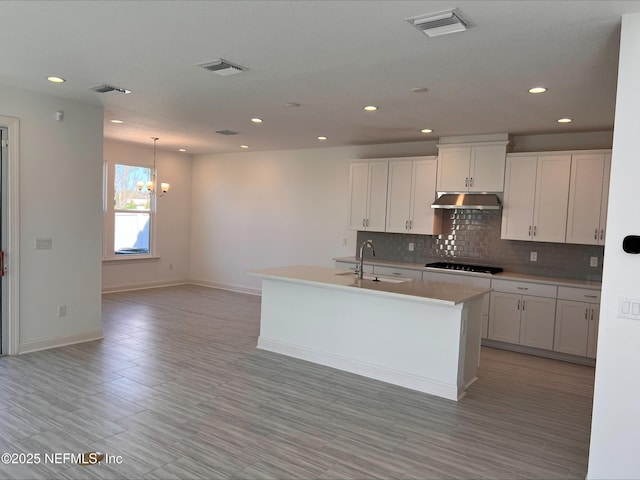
{"type": "Point", "coordinates": [593, 262]}
{"type": "Point", "coordinates": [629, 308]}
{"type": "Point", "coordinates": [533, 257]}
{"type": "Point", "coordinates": [42, 243]}
{"type": "Point", "coordinates": [412, 246]}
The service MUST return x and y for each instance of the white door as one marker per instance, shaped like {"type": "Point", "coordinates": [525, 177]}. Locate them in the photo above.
{"type": "Point", "coordinates": [585, 198]}
{"type": "Point", "coordinates": [377, 210]}
{"type": "Point", "coordinates": [537, 322]}
{"type": "Point", "coordinates": [519, 197]}
{"type": "Point", "coordinates": [487, 168]}
{"type": "Point", "coordinates": [453, 169]}
{"type": "Point", "coordinates": [572, 327]}
{"type": "Point", "coordinates": [359, 195]}
{"type": "Point", "coordinates": [399, 196]}
{"type": "Point", "coordinates": [552, 198]}
{"type": "Point", "coordinates": [504, 317]}
{"type": "Point", "coordinates": [423, 194]}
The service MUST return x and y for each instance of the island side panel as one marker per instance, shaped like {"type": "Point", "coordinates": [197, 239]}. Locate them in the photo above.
{"type": "Point", "coordinates": [470, 339]}
{"type": "Point", "coordinates": [413, 344]}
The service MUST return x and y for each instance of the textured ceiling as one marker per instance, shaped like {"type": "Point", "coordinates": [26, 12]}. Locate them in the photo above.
{"type": "Point", "coordinates": [331, 57]}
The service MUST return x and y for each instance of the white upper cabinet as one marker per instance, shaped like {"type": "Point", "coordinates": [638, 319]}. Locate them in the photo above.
{"type": "Point", "coordinates": [588, 198]}
{"type": "Point", "coordinates": [536, 197]}
{"type": "Point", "coordinates": [471, 168]}
{"type": "Point", "coordinates": [368, 195]}
{"type": "Point", "coordinates": [411, 191]}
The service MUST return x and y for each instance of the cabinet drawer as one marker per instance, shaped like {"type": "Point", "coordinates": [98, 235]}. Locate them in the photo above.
{"type": "Point", "coordinates": [457, 278]}
{"type": "Point", "coordinates": [579, 294]}
{"type": "Point", "coordinates": [525, 288]}
{"type": "Point", "coordinates": [397, 272]}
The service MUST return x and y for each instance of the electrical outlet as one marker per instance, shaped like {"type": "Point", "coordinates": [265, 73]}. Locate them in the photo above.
{"type": "Point", "coordinates": [412, 246]}
{"type": "Point", "coordinates": [593, 262]}
{"type": "Point", "coordinates": [62, 310]}
{"type": "Point", "coordinates": [533, 256]}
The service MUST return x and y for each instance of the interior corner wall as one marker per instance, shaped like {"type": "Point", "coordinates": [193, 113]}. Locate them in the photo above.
{"type": "Point", "coordinates": [173, 219]}
{"type": "Point", "coordinates": [615, 431]}
{"type": "Point", "coordinates": [60, 170]}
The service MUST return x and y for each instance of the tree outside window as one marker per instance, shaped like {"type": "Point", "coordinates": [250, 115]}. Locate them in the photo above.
{"type": "Point", "coordinates": [132, 209]}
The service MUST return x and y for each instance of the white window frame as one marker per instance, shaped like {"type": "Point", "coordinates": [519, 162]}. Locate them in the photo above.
{"type": "Point", "coordinates": [109, 216]}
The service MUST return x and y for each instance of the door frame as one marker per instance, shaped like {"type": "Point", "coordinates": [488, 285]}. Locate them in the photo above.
{"type": "Point", "coordinates": [11, 220]}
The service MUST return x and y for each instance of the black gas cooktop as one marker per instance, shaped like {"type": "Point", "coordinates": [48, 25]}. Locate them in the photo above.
{"type": "Point", "coordinates": [465, 267]}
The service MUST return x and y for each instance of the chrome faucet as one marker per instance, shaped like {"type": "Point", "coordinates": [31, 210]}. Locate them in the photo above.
{"type": "Point", "coordinates": [366, 243]}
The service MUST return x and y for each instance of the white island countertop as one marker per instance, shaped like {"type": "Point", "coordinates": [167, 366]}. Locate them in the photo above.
{"type": "Point", "coordinates": [414, 290]}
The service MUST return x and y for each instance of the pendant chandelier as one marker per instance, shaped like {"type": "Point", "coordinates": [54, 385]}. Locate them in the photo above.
{"type": "Point", "coordinates": [152, 185]}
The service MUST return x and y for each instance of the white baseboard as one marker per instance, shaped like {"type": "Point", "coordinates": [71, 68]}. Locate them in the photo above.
{"type": "Point", "coordinates": [226, 286]}
{"type": "Point", "coordinates": [34, 346]}
{"type": "Point", "coordinates": [413, 382]}
{"type": "Point", "coordinates": [143, 286]}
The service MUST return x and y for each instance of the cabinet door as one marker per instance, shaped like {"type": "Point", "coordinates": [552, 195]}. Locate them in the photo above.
{"type": "Point", "coordinates": [604, 205]}
{"type": "Point", "coordinates": [453, 169]}
{"type": "Point", "coordinates": [572, 327]}
{"type": "Point", "coordinates": [399, 196]}
{"type": "Point", "coordinates": [592, 337]}
{"type": "Point", "coordinates": [423, 193]}
{"type": "Point", "coordinates": [585, 198]}
{"type": "Point", "coordinates": [519, 197]}
{"type": "Point", "coordinates": [486, 173]}
{"type": "Point", "coordinates": [537, 321]}
{"type": "Point", "coordinates": [359, 195]}
{"type": "Point", "coordinates": [552, 198]}
{"type": "Point", "coordinates": [504, 317]}
{"type": "Point", "coordinates": [377, 197]}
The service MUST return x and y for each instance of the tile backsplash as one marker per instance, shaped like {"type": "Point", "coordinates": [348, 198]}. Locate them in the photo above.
{"type": "Point", "coordinates": [473, 236]}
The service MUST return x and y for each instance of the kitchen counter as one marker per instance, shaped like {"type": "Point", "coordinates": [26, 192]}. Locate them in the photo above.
{"type": "Point", "coordinates": [565, 282]}
{"type": "Point", "coordinates": [415, 290]}
{"type": "Point", "coordinates": [417, 334]}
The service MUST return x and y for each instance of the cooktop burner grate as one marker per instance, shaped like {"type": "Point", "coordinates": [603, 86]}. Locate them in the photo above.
{"type": "Point", "coordinates": [465, 267]}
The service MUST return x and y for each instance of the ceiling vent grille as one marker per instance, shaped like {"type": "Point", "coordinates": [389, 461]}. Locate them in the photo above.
{"type": "Point", "coordinates": [226, 132]}
{"type": "Point", "coordinates": [440, 23]}
{"type": "Point", "coordinates": [222, 67]}
{"type": "Point", "coordinates": [104, 88]}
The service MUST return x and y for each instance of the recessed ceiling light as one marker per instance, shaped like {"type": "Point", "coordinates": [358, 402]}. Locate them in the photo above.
{"type": "Point", "coordinates": [371, 108]}
{"type": "Point", "coordinates": [56, 79]}
{"type": "Point", "coordinates": [426, 130]}
{"type": "Point", "coordinates": [116, 121]}
{"type": "Point", "coordinates": [419, 89]}
{"type": "Point", "coordinates": [322, 138]}
{"type": "Point", "coordinates": [182, 149]}
{"type": "Point", "coordinates": [256, 120]}
{"type": "Point", "coordinates": [244, 146]}
{"type": "Point", "coordinates": [537, 90]}
{"type": "Point", "coordinates": [565, 120]}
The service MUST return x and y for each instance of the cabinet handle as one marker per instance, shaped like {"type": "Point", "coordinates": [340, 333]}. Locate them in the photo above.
{"type": "Point", "coordinates": [523, 303]}
{"type": "Point", "coordinates": [535, 228]}
{"type": "Point", "coordinates": [364, 222]}
{"type": "Point", "coordinates": [592, 315]}
{"type": "Point", "coordinates": [466, 182]}
{"type": "Point", "coordinates": [406, 224]}
{"type": "Point", "coordinates": [602, 234]}
{"type": "Point", "coordinates": [591, 296]}
{"type": "Point", "coordinates": [410, 224]}
{"type": "Point", "coordinates": [471, 182]}
{"type": "Point", "coordinates": [367, 223]}
{"type": "Point", "coordinates": [586, 314]}
{"type": "Point", "coordinates": [518, 304]}
{"type": "Point", "coordinates": [530, 230]}
{"type": "Point", "coordinates": [522, 288]}
{"type": "Point", "coordinates": [595, 235]}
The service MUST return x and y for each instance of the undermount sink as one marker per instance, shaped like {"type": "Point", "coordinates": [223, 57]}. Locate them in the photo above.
{"type": "Point", "coordinates": [378, 278]}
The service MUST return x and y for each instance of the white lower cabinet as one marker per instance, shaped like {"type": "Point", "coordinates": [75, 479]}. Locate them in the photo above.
{"type": "Point", "coordinates": [577, 318]}
{"type": "Point", "coordinates": [397, 272]}
{"type": "Point", "coordinates": [522, 318]}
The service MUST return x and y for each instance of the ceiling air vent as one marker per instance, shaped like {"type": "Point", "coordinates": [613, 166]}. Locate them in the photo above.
{"type": "Point", "coordinates": [222, 67]}
{"type": "Point", "coordinates": [104, 88]}
{"type": "Point", "coordinates": [440, 23]}
{"type": "Point", "coordinates": [227, 132]}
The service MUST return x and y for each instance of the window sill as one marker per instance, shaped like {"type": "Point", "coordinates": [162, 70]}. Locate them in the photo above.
{"type": "Point", "coordinates": [131, 259]}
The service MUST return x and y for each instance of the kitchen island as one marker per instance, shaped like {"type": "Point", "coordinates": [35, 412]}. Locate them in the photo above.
{"type": "Point", "coordinates": [421, 335]}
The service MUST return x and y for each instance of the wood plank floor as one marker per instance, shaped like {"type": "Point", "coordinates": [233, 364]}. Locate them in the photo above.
{"type": "Point", "coordinates": [179, 391]}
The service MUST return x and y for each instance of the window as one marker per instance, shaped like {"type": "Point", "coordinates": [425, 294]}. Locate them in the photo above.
{"type": "Point", "coordinates": [130, 218]}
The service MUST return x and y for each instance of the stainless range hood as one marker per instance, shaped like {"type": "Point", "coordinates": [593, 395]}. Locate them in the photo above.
{"type": "Point", "coordinates": [469, 201]}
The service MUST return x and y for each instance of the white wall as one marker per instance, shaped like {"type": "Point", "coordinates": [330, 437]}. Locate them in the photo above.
{"type": "Point", "coordinates": [173, 221]}
{"type": "Point", "coordinates": [262, 209]}
{"type": "Point", "coordinates": [60, 198]}
{"type": "Point", "coordinates": [615, 434]}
